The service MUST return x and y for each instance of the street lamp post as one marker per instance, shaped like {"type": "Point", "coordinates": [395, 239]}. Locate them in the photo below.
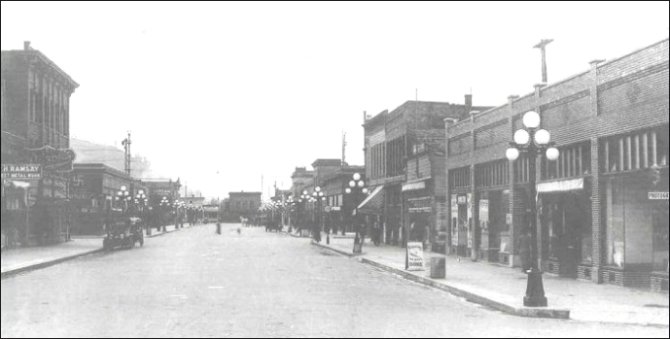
{"type": "Point", "coordinates": [317, 197]}
{"type": "Point", "coordinates": [304, 199]}
{"type": "Point", "coordinates": [356, 186]}
{"type": "Point", "coordinates": [165, 205]}
{"type": "Point", "coordinates": [533, 141]}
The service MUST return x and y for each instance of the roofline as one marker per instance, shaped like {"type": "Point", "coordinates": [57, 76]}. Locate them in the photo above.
{"type": "Point", "coordinates": [48, 62]}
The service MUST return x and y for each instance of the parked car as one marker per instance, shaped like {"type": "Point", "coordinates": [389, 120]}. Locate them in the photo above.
{"type": "Point", "coordinates": [124, 233]}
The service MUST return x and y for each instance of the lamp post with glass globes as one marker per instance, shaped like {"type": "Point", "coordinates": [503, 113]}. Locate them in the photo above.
{"type": "Point", "coordinates": [290, 206]}
{"type": "Point", "coordinates": [356, 188]}
{"type": "Point", "coordinates": [141, 202]}
{"type": "Point", "coordinates": [302, 214]}
{"type": "Point", "coordinates": [317, 197]}
{"type": "Point", "coordinates": [165, 205]}
{"type": "Point", "coordinates": [123, 197]}
{"type": "Point", "coordinates": [533, 141]}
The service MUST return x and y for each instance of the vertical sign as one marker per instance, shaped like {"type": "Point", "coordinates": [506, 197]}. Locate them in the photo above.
{"type": "Point", "coordinates": [415, 256]}
{"type": "Point", "coordinates": [454, 220]}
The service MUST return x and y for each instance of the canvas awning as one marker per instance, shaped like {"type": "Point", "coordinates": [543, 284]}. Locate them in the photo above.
{"type": "Point", "coordinates": [373, 203]}
{"type": "Point", "coordinates": [561, 186]}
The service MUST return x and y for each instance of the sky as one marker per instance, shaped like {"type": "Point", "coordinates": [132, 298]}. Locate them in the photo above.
{"type": "Point", "coordinates": [223, 95]}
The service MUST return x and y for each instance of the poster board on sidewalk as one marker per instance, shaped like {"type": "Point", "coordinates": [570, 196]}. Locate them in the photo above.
{"type": "Point", "coordinates": [415, 256]}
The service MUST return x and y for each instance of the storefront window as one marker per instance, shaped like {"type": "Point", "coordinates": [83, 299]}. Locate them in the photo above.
{"type": "Point", "coordinates": [615, 224]}
{"type": "Point", "coordinates": [661, 237]}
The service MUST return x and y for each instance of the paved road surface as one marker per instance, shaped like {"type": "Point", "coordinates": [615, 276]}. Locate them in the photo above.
{"type": "Point", "coordinates": [194, 284]}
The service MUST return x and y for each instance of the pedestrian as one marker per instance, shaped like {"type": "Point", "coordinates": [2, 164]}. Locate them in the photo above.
{"type": "Point", "coordinates": [523, 250]}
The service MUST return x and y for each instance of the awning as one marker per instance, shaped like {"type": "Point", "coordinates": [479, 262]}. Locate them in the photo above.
{"type": "Point", "coordinates": [561, 186]}
{"type": "Point", "coordinates": [373, 202]}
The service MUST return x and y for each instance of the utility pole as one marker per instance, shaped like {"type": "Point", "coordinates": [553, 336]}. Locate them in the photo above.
{"type": "Point", "coordinates": [543, 46]}
{"type": "Point", "coordinates": [126, 146]}
{"type": "Point", "coordinates": [344, 148]}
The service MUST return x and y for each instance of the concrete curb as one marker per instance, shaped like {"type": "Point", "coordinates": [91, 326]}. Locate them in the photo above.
{"type": "Point", "coordinates": [528, 312]}
{"type": "Point", "coordinates": [552, 313]}
{"type": "Point", "coordinates": [338, 251]}
{"type": "Point", "coordinates": [159, 234]}
{"type": "Point", "coordinates": [13, 272]}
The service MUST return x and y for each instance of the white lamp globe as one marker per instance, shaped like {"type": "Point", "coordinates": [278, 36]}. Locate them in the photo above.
{"type": "Point", "coordinates": [352, 184]}
{"type": "Point", "coordinates": [521, 137]}
{"type": "Point", "coordinates": [348, 190]}
{"type": "Point", "coordinates": [318, 189]}
{"type": "Point", "coordinates": [542, 137]}
{"type": "Point", "coordinates": [365, 191]}
{"type": "Point", "coordinates": [531, 119]}
{"type": "Point", "coordinates": [552, 153]}
{"type": "Point", "coordinates": [361, 184]}
{"type": "Point", "coordinates": [512, 154]}
{"type": "Point", "coordinates": [357, 176]}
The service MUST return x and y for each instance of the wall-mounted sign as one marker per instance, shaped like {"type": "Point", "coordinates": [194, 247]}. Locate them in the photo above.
{"type": "Point", "coordinates": [21, 171]}
{"type": "Point", "coordinates": [658, 195]}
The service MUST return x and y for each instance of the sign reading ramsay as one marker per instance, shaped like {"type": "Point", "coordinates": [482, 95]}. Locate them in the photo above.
{"type": "Point", "coordinates": [21, 171]}
{"type": "Point", "coordinates": [415, 256]}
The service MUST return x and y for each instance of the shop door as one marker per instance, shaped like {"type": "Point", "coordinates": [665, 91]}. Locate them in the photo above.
{"type": "Point", "coordinates": [497, 222]}
{"type": "Point", "coordinates": [565, 221]}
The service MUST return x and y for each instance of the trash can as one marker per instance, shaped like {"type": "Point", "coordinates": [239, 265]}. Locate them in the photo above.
{"type": "Point", "coordinates": [438, 268]}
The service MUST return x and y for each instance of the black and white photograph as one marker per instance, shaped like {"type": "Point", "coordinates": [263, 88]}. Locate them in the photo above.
{"type": "Point", "coordinates": [306, 169]}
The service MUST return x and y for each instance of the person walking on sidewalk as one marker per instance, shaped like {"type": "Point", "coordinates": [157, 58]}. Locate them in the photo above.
{"type": "Point", "coordinates": [523, 249]}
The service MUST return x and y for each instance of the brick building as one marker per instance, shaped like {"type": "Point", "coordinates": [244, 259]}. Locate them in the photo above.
{"type": "Point", "coordinates": [596, 215]}
{"type": "Point", "coordinates": [404, 154]}
{"type": "Point", "coordinates": [242, 204]}
{"type": "Point", "coordinates": [338, 204]}
{"type": "Point", "coordinates": [95, 188]}
{"type": "Point", "coordinates": [36, 130]}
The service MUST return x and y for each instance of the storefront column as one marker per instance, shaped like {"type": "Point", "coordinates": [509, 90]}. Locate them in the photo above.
{"type": "Point", "coordinates": [449, 248]}
{"type": "Point", "coordinates": [596, 207]}
{"type": "Point", "coordinates": [508, 245]}
{"type": "Point", "coordinates": [473, 220]}
{"type": "Point", "coordinates": [596, 224]}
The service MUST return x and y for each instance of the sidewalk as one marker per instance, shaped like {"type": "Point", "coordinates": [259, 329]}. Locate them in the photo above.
{"type": "Point", "coordinates": [20, 260]}
{"type": "Point", "coordinates": [15, 261]}
{"type": "Point", "coordinates": [503, 288]}
{"type": "Point", "coordinates": [157, 233]}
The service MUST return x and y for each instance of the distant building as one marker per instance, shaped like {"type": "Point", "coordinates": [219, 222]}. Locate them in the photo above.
{"type": "Point", "coordinates": [339, 205]}
{"type": "Point", "coordinates": [242, 204]}
{"type": "Point", "coordinates": [94, 195]}
{"type": "Point", "coordinates": [162, 189]}
{"type": "Point", "coordinates": [405, 156]}
{"type": "Point", "coordinates": [36, 130]}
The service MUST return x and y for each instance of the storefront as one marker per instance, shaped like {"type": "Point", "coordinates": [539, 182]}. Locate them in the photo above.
{"type": "Point", "coordinates": [492, 195]}
{"type": "Point", "coordinates": [566, 227]}
{"type": "Point", "coordinates": [462, 237]}
{"type": "Point", "coordinates": [636, 233]}
{"type": "Point", "coordinates": [14, 213]}
{"type": "Point", "coordinates": [635, 209]}
{"type": "Point", "coordinates": [392, 210]}
{"type": "Point", "coordinates": [420, 207]}
{"type": "Point", "coordinates": [493, 206]}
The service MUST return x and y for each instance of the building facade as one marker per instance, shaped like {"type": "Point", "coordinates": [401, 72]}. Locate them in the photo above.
{"type": "Point", "coordinates": [598, 215]}
{"type": "Point", "coordinates": [242, 204]}
{"type": "Point", "coordinates": [338, 204]}
{"type": "Point", "coordinates": [404, 154]}
{"type": "Point", "coordinates": [95, 188]}
{"type": "Point", "coordinates": [36, 130]}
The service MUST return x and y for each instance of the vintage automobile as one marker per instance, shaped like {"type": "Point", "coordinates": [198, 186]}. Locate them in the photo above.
{"type": "Point", "coordinates": [124, 233]}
